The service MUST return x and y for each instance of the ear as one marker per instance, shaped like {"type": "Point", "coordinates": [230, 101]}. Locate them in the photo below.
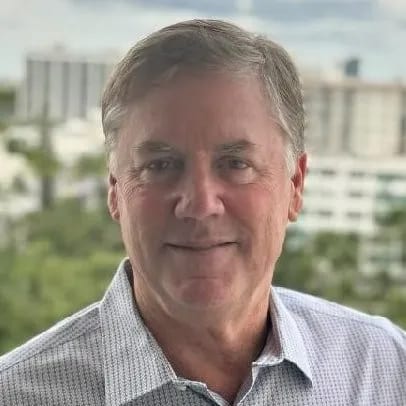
{"type": "Point", "coordinates": [112, 198]}
{"type": "Point", "coordinates": [297, 184]}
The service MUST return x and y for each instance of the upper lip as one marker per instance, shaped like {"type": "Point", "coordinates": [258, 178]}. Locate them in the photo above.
{"type": "Point", "coordinates": [207, 244]}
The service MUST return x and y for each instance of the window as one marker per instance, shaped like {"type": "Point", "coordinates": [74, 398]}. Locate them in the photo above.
{"type": "Point", "coordinates": [324, 213]}
{"type": "Point", "coordinates": [327, 172]}
{"type": "Point", "coordinates": [355, 193]}
{"type": "Point", "coordinates": [354, 215]}
{"type": "Point", "coordinates": [357, 174]}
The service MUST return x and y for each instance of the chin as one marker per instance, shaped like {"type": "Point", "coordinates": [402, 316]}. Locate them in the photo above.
{"type": "Point", "coordinates": [204, 293]}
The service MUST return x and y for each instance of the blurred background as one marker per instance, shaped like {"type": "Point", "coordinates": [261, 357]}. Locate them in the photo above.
{"type": "Point", "coordinates": [58, 247]}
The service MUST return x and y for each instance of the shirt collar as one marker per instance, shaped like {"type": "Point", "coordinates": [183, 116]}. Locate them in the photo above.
{"type": "Point", "coordinates": [284, 342]}
{"type": "Point", "coordinates": [129, 349]}
{"type": "Point", "coordinates": [133, 362]}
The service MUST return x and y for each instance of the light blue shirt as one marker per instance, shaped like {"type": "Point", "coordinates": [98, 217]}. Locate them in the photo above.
{"type": "Point", "coordinates": [317, 353]}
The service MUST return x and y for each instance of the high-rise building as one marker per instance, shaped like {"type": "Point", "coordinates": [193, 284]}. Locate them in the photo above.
{"type": "Point", "coordinates": [69, 84]}
{"type": "Point", "coordinates": [356, 135]}
{"type": "Point", "coordinates": [349, 116]}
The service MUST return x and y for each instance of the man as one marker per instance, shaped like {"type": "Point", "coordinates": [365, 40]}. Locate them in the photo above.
{"type": "Point", "coordinates": [204, 131]}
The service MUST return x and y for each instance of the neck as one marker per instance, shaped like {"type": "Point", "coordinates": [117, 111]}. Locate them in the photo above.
{"type": "Point", "coordinates": [217, 349]}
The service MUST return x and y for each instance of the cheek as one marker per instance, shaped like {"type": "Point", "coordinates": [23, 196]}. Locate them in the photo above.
{"type": "Point", "coordinates": [142, 226]}
{"type": "Point", "coordinates": [145, 208]}
{"type": "Point", "coordinates": [263, 212]}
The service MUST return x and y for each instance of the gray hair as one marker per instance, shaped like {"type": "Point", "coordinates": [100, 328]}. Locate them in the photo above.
{"type": "Point", "coordinates": [199, 45]}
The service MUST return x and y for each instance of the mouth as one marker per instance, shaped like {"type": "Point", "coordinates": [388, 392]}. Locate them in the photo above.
{"type": "Point", "coordinates": [200, 247]}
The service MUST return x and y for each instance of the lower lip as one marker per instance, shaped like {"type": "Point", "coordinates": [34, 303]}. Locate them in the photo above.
{"type": "Point", "coordinates": [201, 251]}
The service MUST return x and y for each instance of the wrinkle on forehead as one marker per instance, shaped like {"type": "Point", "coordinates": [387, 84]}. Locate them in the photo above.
{"type": "Point", "coordinates": [194, 112]}
{"type": "Point", "coordinates": [191, 87]}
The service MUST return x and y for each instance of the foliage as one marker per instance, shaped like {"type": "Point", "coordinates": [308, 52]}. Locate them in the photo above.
{"type": "Point", "coordinates": [55, 262]}
{"type": "Point", "coordinates": [326, 265]}
{"type": "Point", "coordinates": [7, 102]}
{"type": "Point", "coordinates": [90, 165]}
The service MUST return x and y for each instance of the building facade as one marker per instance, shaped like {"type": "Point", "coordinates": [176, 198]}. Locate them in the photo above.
{"type": "Point", "coordinates": [349, 116]}
{"type": "Point", "coordinates": [348, 194]}
{"type": "Point", "coordinates": [68, 84]}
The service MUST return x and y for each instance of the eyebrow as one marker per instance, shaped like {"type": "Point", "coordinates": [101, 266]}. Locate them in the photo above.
{"type": "Point", "coordinates": [152, 147]}
{"type": "Point", "coordinates": [234, 147]}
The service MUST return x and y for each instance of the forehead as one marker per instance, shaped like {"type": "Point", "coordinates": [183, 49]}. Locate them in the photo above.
{"type": "Point", "coordinates": [209, 108]}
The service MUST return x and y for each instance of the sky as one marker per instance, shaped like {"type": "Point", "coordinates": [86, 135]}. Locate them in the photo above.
{"type": "Point", "coordinates": [318, 33]}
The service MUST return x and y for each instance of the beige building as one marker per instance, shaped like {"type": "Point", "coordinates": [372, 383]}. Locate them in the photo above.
{"type": "Point", "coordinates": [349, 116]}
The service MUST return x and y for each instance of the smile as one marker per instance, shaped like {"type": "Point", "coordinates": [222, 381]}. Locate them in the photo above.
{"type": "Point", "coordinates": [200, 247]}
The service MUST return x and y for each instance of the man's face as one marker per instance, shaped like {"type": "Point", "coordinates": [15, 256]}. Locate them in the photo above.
{"type": "Point", "coordinates": [202, 193]}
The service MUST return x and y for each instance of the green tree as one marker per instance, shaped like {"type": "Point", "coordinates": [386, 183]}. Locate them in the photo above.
{"type": "Point", "coordinates": [321, 264]}
{"type": "Point", "coordinates": [54, 263]}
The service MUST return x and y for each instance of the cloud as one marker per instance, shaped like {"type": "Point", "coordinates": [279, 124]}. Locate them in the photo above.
{"type": "Point", "coordinates": [393, 6]}
{"type": "Point", "coordinates": [92, 26]}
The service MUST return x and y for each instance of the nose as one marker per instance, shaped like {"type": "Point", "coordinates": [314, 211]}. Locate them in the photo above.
{"type": "Point", "coordinates": [199, 194]}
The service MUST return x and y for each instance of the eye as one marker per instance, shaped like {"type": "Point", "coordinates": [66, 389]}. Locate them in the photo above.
{"type": "Point", "coordinates": [235, 163]}
{"type": "Point", "coordinates": [236, 170]}
{"type": "Point", "coordinates": [160, 165]}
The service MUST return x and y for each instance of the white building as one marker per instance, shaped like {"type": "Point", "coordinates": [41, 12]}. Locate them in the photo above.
{"type": "Point", "coordinates": [345, 194]}
{"type": "Point", "coordinates": [69, 84]}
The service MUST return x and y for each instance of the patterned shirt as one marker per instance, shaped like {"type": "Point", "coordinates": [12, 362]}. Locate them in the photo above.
{"type": "Point", "coordinates": [317, 353]}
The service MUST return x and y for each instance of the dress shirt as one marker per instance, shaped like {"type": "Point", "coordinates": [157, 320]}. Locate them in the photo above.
{"type": "Point", "coordinates": [317, 353]}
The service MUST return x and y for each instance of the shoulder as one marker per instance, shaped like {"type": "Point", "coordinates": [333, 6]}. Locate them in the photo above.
{"type": "Point", "coordinates": [321, 317]}
{"type": "Point", "coordinates": [67, 330]}
{"type": "Point", "coordinates": [52, 358]}
{"type": "Point", "coordinates": [353, 352]}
